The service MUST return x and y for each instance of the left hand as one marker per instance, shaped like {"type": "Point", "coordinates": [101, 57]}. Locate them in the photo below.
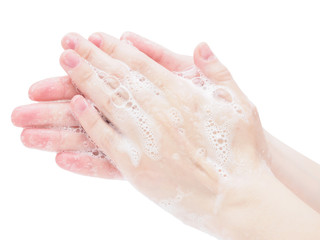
{"type": "Point", "coordinates": [75, 152]}
{"type": "Point", "coordinates": [188, 137]}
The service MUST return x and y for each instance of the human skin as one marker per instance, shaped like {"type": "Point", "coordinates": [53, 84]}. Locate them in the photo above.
{"type": "Point", "coordinates": [238, 198]}
{"type": "Point", "coordinates": [298, 173]}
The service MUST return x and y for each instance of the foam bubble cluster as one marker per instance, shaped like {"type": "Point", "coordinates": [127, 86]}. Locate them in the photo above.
{"type": "Point", "coordinates": [170, 204]}
{"type": "Point", "coordinates": [122, 99]}
{"type": "Point", "coordinates": [220, 112]}
{"type": "Point", "coordinates": [175, 117]}
{"type": "Point", "coordinates": [133, 151]}
{"type": "Point", "coordinates": [221, 109]}
{"type": "Point", "coordinates": [139, 84]}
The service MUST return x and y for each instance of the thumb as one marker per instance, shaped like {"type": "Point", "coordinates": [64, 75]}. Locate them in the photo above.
{"type": "Point", "coordinates": [211, 67]}
{"type": "Point", "coordinates": [216, 72]}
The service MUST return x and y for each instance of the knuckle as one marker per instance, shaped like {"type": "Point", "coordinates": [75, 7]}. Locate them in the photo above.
{"type": "Point", "coordinates": [158, 57]}
{"type": "Point", "coordinates": [104, 138]}
{"type": "Point", "coordinates": [222, 74]}
{"type": "Point", "coordinates": [93, 123]}
{"type": "Point", "coordinates": [111, 48]}
{"type": "Point", "coordinates": [87, 75]}
{"type": "Point", "coordinates": [107, 105]}
{"type": "Point", "coordinates": [140, 64]}
{"type": "Point", "coordinates": [87, 53]}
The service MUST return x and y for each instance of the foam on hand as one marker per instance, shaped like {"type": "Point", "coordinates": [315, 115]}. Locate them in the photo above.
{"type": "Point", "coordinates": [208, 123]}
{"type": "Point", "coordinates": [127, 107]}
{"type": "Point", "coordinates": [220, 113]}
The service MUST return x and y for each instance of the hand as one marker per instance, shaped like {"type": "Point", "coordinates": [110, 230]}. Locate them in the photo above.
{"type": "Point", "coordinates": [196, 149]}
{"type": "Point", "coordinates": [302, 177]}
{"type": "Point", "coordinates": [76, 153]}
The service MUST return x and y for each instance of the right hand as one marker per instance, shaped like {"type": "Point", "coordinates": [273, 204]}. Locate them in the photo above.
{"type": "Point", "coordinates": [49, 122]}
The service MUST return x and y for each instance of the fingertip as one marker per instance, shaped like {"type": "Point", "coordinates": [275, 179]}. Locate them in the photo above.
{"type": "Point", "coordinates": [26, 115]}
{"type": "Point", "coordinates": [69, 161]}
{"type": "Point", "coordinates": [41, 90]}
{"type": "Point", "coordinates": [126, 35]}
{"type": "Point", "coordinates": [69, 59]}
{"type": "Point", "coordinates": [62, 55]}
{"type": "Point", "coordinates": [64, 160]}
{"type": "Point", "coordinates": [84, 164]}
{"type": "Point", "coordinates": [28, 139]}
{"type": "Point", "coordinates": [32, 91]}
{"type": "Point", "coordinates": [76, 99]}
{"type": "Point", "coordinates": [78, 105]}
{"type": "Point", "coordinates": [69, 40]}
{"type": "Point", "coordinates": [20, 115]}
{"type": "Point", "coordinates": [24, 137]}
{"type": "Point", "coordinates": [208, 63]}
{"type": "Point", "coordinates": [203, 54]}
{"type": "Point", "coordinates": [59, 158]}
{"type": "Point", "coordinates": [96, 39]}
{"type": "Point", "coordinates": [15, 116]}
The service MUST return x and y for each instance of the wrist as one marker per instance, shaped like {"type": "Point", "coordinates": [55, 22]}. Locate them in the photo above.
{"type": "Point", "coordinates": [263, 208]}
{"type": "Point", "coordinates": [300, 174]}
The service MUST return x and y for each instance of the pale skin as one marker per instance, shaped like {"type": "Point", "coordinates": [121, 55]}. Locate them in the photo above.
{"type": "Point", "coordinates": [239, 214]}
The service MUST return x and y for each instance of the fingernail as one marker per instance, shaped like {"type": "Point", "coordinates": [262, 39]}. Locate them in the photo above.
{"type": "Point", "coordinates": [71, 59]}
{"type": "Point", "coordinates": [96, 39]}
{"type": "Point", "coordinates": [80, 104]}
{"type": "Point", "coordinates": [206, 53]}
{"type": "Point", "coordinates": [69, 42]}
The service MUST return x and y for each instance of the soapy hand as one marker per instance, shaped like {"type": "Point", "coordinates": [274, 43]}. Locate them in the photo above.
{"type": "Point", "coordinates": [179, 129]}
{"type": "Point", "coordinates": [77, 153]}
{"type": "Point", "coordinates": [180, 138]}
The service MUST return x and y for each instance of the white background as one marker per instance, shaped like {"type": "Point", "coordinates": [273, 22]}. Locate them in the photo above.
{"type": "Point", "coordinates": [271, 47]}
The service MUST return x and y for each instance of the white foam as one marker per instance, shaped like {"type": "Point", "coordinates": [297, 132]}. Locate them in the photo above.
{"type": "Point", "coordinates": [171, 204]}
{"type": "Point", "coordinates": [139, 84]}
{"type": "Point", "coordinates": [221, 111]}
{"type": "Point", "coordinates": [175, 117]}
{"type": "Point", "coordinates": [201, 154]}
{"type": "Point", "coordinates": [175, 156]}
{"type": "Point", "coordinates": [123, 99]}
{"type": "Point", "coordinates": [145, 125]}
{"type": "Point", "coordinates": [216, 114]}
{"type": "Point", "coordinates": [133, 152]}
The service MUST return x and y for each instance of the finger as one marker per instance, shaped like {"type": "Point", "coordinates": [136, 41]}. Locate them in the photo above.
{"type": "Point", "coordinates": [137, 61]}
{"type": "Point", "coordinates": [102, 134]}
{"type": "Point", "coordinates": [209, 64]}
{"type": "Point", "coordinates": [56, 140]}
{"type": "Point", "coordinates": [168, 59]}
{"type": "Point", "coordinates": [88, 82]}
{"type": "Point", "coordinates": [52, 89]}
{"type": "Point", "coordinates": [94, 55]}
{"type": "Point", "coordinates": [84, 164]}
{"type": "Point", "coordinates": [44, 115]}
{"type": "Point", "coordinates": [113, 73]}
{"type": "Point", "coordinates": [217, 73]}
{"type": "Point", "coordinates": [61, 88]}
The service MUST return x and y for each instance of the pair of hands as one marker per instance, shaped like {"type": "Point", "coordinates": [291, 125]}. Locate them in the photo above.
{"type": "Point", "coordinates": [50, 125]}
{"type": "Point", "coordinates": [178, 128]}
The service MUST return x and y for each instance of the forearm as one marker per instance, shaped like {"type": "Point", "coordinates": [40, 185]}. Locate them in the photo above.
{"type": "Point", "coordinates": [300, 174]}
{"type": "Point", "coordinates": [274, 213]}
